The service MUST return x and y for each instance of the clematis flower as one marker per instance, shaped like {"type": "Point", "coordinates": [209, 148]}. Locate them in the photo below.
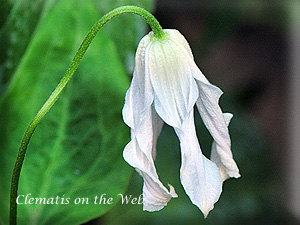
{"type": "Point", "coordinates": [165, 87]}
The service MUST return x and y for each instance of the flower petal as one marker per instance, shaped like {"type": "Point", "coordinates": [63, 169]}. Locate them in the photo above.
{"type": "Point", "coordinates": [180, 40]}
{"type": "Point", "coordinates": [145, 124]}
{"type": "Point", "coordinates": [199, 176]}
{"type": "Point", "coordinates": [214, 120]}
{"type": "Point", "coordinates": [140, 153]}
{"type": "Point", "coordinates": [175, 90]}
{"type": "Point", "coordinates": [139, 96]}
{"type": "Point", "coordinates": [215, 152]}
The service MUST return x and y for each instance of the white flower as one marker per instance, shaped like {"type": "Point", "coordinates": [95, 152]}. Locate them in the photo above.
{"type": "Point", "coordinates": [166, 85]}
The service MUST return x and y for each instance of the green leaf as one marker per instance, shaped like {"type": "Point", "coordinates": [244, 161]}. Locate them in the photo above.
{"type": "Point", "coordinates": [76, 150]}
{"type": "Point", "coordinates": [23, 21]}
{"type": "Point", "coordinates": [20, 22]}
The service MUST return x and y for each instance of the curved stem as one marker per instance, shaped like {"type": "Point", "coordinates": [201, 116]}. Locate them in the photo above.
{"type": "Point", "coordinates": [158, 33]}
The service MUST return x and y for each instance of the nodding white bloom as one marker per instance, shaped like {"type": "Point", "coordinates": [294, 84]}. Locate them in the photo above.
{"type": "Point", "coordinates": [166, 85]}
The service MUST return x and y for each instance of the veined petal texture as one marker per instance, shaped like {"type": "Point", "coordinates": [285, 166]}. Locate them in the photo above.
{"type": "Point", "coordinates": [175, 90]}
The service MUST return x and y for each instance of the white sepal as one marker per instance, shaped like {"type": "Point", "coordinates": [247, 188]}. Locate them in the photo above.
{"type": "Point", "coordinates": [199, 176]}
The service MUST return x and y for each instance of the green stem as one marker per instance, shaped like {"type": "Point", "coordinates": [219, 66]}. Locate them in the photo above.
{"type": "Point", "coordinates": [158, 33]}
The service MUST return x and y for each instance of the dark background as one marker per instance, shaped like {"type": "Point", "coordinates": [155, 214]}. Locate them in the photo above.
{"type": "Point", "coordinates": [244, 48]}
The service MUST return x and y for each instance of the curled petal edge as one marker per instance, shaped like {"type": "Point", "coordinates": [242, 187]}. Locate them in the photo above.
{"type": "Point", "coordinates": [199, 176]}
{"type": "Point", "coordinates": [217, 157]}
{"type": "Point", "coordinates": [155, 195]}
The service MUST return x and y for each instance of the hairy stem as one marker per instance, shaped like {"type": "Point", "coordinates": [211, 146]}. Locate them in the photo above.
{"type": "Point", "coordinates": [158, 33]}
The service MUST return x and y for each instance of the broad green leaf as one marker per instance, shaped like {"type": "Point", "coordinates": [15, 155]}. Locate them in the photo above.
{"type": "Point", "coordinates": [76, 150]}
{"type": "Point", "coordinates": [15, 34]}
{"type": "Point", "coordinates": [24, 17]}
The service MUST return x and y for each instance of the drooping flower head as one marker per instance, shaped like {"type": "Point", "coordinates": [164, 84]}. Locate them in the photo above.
{"type": "Point", "coordinates": [166, 85]}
